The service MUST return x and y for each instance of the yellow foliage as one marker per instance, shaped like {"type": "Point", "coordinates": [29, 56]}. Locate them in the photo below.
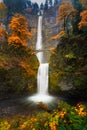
{"type": "Point", "coordinates": [83, 21]}
{"type": "Point", "coordinates": [6, 125]}
{"type": "Point", "coordinates": [65, 116]}
{"type": "Point", "coordinates": [80, 109]}
{"type": "Point", "coordinates": [62, 114]}
{"type": "Point", "coordinates": [53, 125]}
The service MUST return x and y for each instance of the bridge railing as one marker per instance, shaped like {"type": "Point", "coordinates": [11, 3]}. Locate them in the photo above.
{"type": "Point", "coordinates": [41, 50]}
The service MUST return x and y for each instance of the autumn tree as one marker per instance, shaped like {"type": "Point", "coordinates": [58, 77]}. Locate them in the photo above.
{"type": "Point", "coordinates": [83, 23]}
{"type": "Point", "coordinates": [65, 12]}
{"type": "Point", "coordinates": [59, 35]}
{"type": "Point", "coordinates": [19, 31]}
{"type": "Point", "coordinates": [83, 19]}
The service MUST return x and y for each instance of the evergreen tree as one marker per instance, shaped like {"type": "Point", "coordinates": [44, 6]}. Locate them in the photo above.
{"type": "Point", "coordinates": [35, 8]}
{"type": "Point", "coordinates": [41, 6]}
{"type": "Point", "coordinates": [46, 5]}
{"type": "Point", "coordinates": [55, 2]}
{"type": "Point", "coordinates": [29, 3]}
{"type": "Point", "coordinates": [15, 6]}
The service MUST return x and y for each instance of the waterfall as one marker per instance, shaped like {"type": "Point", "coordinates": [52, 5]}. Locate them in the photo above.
{"type": "Point", "coordinates": [42, 79]}
{"type": "Point", "coordinates": [42, 75]}
{"type": "Point", "coordinates": [39, 40]}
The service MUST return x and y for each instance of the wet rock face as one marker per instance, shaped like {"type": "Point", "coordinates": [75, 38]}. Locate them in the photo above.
{"type": "Point", "coordinates": [49, 28]}
{"type": "Point", "coordinates": [66, 85]}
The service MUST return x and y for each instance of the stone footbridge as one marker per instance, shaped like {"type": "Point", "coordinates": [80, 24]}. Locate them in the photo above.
{"type": "Point", "coordinates": [41, 50]}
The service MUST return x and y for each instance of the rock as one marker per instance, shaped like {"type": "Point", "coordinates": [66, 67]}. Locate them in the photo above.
{"type": "Point", "coordinates": [66, 85]}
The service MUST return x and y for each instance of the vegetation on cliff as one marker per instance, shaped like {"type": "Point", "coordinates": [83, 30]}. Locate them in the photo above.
{"type": "Point", "coordinates": [18, 63]}
{"type": "Point", "coordinates": [68, 63]}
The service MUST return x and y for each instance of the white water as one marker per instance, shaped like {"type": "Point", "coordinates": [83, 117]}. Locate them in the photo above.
{"type": "Point", "coordinates": [39, 40]}
{"type": "Point", "coordinates": [42, 79]}
{"type": "Point", "coordinates": [42, 76]}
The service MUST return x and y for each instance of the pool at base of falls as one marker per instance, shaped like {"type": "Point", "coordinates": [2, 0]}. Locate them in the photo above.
{"type": "Point", "coordinates": [41, 98]}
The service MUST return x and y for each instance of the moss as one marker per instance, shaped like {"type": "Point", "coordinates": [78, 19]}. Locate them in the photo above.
{"type": "Point", "coordinates": [71, 58]}
{"type": "Point", "coordinates": [16, 78]}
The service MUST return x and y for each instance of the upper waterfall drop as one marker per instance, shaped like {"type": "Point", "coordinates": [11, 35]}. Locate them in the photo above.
{"type": "Point", "coordinates": [39, 40]}
{"type": "Point", "coordinates": [39, 34]}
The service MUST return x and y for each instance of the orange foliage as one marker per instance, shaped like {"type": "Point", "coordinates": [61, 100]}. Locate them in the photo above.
{"type": "Point", "coordinates": [83, 20]}
{"type": "Point", "coordinates": [64, 11]}
{"type": "Point", "coordinates": [1, 65]}
{"type": "Point", "coordinates": [59, 35]}
{"type": "Point", "coordinates": [52, 50]}
{"type": "Point", "coordinates": [2, 31]}
{"type": "Point", "coordinates": [27, 68]}
{"type": "Point", "coordinates": [19, 28]}
{"type": "Point", "coordinates": [16, 41]}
